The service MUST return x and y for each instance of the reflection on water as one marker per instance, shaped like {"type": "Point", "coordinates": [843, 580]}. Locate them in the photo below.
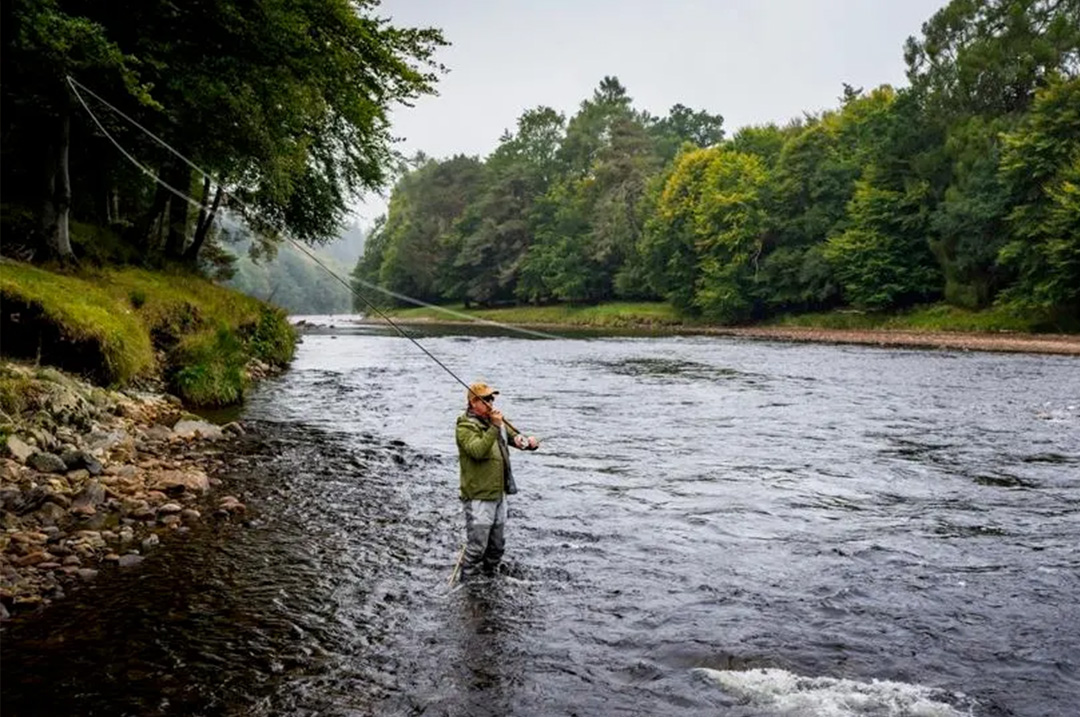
{"type": "Point", "coordinates": [712, 526]}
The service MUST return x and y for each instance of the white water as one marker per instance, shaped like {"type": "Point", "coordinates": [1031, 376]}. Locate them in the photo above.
{"type": "Point", "coordinates": [784, 693]}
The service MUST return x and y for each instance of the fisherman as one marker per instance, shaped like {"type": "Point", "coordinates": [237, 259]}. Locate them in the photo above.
{"type": "Point", "coordinates": [486, 478]}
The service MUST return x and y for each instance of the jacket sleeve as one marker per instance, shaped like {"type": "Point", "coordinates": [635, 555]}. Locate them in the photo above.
{"type": "Point", "coordinates": [476, 442]}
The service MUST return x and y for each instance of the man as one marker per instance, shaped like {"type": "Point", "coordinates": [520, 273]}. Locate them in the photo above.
{"type": "Point", "coordinates": [486, 478]}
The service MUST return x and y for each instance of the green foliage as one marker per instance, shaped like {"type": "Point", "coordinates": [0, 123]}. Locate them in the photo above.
{"type": "Point", "coordinates": [988, 57]}
{"type": "Point", "coordinates": [1041, 168]}
{"type": "Point", "coordinates": [708, 233]}
{"type": "Point", "coordinates": [272, 338]}
{"type": "Point", "coordinates": [292, 280]}
{"type": "Point", "coordinates": [934, 317]}
{"type": "Point", "coordinates": [880, 261]}
{"type": "Point", "coordinates": [615, 314]}
{"type": "Point", "coordinates": [962, 186]}
{"type": "Point", "coordinates": [286, 104]}
{"type": "Point", "coordinates": [83, 324]}
{"type": "Point", "coordinates": [110, 323]}
{"type": "Point", "coordinates": [213, 368]}
{"type": "Point", "coordinates": [14, 389]}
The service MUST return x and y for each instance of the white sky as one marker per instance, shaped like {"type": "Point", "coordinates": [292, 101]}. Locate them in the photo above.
{"type": "Point", "coordinates": [752, 61]}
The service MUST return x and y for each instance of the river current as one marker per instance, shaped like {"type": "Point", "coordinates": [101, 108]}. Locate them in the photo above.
{"type": "Point", "coordinates": [712, 526]}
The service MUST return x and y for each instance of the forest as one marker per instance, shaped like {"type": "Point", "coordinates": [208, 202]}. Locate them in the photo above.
{"type": "Point", "coordinates": [133, 131]}
{"type": "Point", "coordinates": [962, 187]}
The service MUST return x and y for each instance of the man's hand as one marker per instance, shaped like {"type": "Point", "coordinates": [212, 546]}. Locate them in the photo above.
{"type": "Point", "coordinates": [528, 443]}
{"type": "Point", "coordinates": [496, 417]}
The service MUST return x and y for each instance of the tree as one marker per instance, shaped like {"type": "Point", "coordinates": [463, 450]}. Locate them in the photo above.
{"type": "Point", "coordinates": [284, 103]}
{"type": "Point", "coordinates": [424, 206]}
{"type": "Point", "coordinates": [686, 126]}
{"type": "Point", "coordinates": [882, 259]}
{"type": "Point", "coordinates": [42, 44]}
{"type": "Point", "coordinates": [705, 240]}
{"type": "Point", "coordinates": [988, 57]}
{"type": "Point", "coordinates": [1040, 166]}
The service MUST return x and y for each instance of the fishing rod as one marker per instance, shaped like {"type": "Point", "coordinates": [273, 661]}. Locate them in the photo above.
{"type": "Point", "coordinates": [75, 86]}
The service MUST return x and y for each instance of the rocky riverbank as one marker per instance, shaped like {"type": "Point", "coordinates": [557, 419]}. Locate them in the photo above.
{"type": "Point", "coordinates": [91, 478]}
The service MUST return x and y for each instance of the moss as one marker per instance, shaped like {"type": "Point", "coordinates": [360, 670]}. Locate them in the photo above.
{"type": "Point", "coordinates": [114, 325]}
{"type": "Point", "coordinates": [72, 323]}
{"type": "Point", "coordinates": [14, 390]}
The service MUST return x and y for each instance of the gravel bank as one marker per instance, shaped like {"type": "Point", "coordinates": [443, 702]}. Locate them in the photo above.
{"type": "Point", "coordinates": [90, 479]}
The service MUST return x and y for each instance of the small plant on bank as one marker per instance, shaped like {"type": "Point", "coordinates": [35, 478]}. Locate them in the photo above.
{"type": "Point", "coordinates": [212, 372]}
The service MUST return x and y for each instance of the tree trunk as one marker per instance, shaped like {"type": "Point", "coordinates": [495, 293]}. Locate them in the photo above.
{"type": "Point", "coordinates": [143, 232]}
{"type": "Point", "coordinates": [180, 179]}
{"type": "Point", "coordinates": [206, 220]}
{"type": "Point", "coordinates": [57, 205]}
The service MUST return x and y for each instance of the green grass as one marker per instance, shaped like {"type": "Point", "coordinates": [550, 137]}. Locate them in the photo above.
{"type": "Point", "coordinates": [936, 317]}
{"type": "Point", "coordinates": [609, 315]}
{"type": "Point", "coordinates": [110, 333]}
{"type": "Point", "coordinates": [132, 322]}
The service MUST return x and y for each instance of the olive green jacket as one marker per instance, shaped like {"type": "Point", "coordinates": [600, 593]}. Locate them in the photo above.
{"type": "Point", "coordinates": [484, 458]}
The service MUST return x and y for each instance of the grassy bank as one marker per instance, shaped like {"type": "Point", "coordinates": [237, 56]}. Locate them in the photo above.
{"type": "Point", "coordinates": [937, 317]}
{"type": "Point", "coordinates": [610, 315]}
{"type": "Point", "coordinates": [117, 326]}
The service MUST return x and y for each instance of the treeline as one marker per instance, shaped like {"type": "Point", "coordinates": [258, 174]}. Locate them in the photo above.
{"type": "Point", "coordinates": [284, 104]}
{"type": "Point", "coordinates": [291, 280]}
{"type": "Point", "coordinates": [964, 186]}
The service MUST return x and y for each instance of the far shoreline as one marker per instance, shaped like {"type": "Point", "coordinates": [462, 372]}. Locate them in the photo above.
{"type": "Point", "coordinates": [1051, 344]}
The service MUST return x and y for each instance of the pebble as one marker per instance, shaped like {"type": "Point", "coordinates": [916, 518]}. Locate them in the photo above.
{"type": "Point", "coordinates": [130, 560]}
{"type": "Point", "coordinates": [104, 475]}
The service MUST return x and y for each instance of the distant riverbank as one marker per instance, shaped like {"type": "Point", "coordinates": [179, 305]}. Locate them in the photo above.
{"type": "Point", "coordinates": [935, 327]}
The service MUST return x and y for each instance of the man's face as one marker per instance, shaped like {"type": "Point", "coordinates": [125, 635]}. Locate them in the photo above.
{"type": "Point", "coordinates": [482, 405]}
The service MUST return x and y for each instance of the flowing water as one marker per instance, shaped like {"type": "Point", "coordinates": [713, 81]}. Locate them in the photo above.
{"type": "Point", "coordinates": [711, 527]}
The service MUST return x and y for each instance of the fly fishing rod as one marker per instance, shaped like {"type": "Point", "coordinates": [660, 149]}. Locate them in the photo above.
{"type": "Point", "coordinates": [75, 86]}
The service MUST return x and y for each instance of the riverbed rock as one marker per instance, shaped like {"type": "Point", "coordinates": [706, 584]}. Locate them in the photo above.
{"type": "Point", "coordinates": [151, 541]}
{"type": "Point", "coordinates": [34, 558]}
{"type": "Point", "coordinates": [50, 513]}
{"type": "Point", "coordinates": [231, 504]}
{"type": "Point", "coordinates": [158, 432]}
{"type": "Point", "coordinates": [92, 495]}
{"type": "Point", "coordinates": [103, 440]}
{"type": "Point", "coordinates": [9, 470]}
{"type": "Point", "coordinates": [175, 482]}
{"type": "Point", "coordinates": [19, 449]}
{"type": "Point", "coordinates": [169, 508]}
{"type": "Point", "coordinates": [197, 429]}
{"type": "Point", "coordinates": [30, 500]}
{"type": "Point", "coordinates": [130, 560]}
{"type": "Point", "coordinates": [87, 573]}
{"type": "Point", "coordinates": [234, 428]}
{"type": "Point", "coordinates": [46, 463]}
{"type": "Point", "coordinates": [190, 515]}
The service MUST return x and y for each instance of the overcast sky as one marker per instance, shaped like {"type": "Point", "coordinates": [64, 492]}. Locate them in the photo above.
{"type": "Point", "coordinates": [752, 61]}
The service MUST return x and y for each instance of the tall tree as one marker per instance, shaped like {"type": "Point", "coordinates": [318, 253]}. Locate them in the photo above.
{"type": "Point", "coordinates": [284, 103]}
{"type": "Point", "coordinates": [1040, 166]}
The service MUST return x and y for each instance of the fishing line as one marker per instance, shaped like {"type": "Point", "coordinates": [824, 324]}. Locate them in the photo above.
{"type": "Point", "coordinates": [76, 86]}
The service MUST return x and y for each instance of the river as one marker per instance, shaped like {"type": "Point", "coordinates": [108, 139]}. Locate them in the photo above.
{"type": "Point", "coordinates": [713, 526]}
